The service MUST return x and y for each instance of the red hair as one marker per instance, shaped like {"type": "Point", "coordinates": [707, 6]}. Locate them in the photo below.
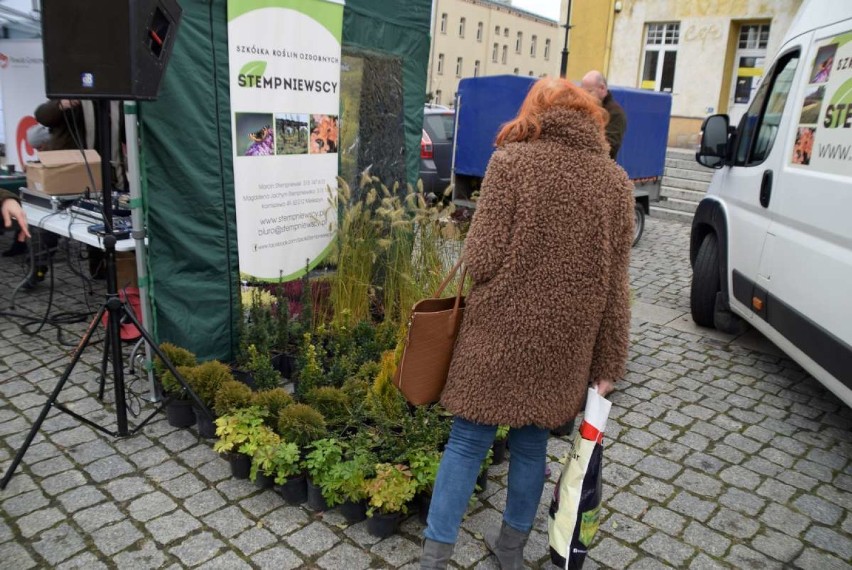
{"type": "Point", "coordinates": [545, 94]}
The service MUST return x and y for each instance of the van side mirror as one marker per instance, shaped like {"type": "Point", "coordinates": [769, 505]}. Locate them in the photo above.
{"type": "Point", "coordinates": [713, 150]}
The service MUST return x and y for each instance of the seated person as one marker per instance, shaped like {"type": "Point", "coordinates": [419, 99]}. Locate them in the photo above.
{"type": "Point", "coordinates": [11, 209]}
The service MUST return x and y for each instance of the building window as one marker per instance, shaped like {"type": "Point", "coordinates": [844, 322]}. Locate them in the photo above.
{"type": "Point", "coordinates": [505, 32]}
{"type": "Point", "coordinates": [444, 23]}
{"type": "Point", "coordinates": [754, 36]}
{"type": "Point", "coordinates": [533, 43]}
{"type": "Point", "coordinates": [505, 54]}
{"type": "Point", "coordinates": [518, 42]}
{"type": "Point", "coordinates": [476, 68]}
{"type": "Point", "coordinates": [531, 74]}
{"type": "Point", "coordinates": [496, 30]}
{"type": "Point", "coordinates": [494, 52]}
{"type": "Point", "coordinates": [661, 41]}
{"type": "Point", "coordinates": [461, 27]}
{"type": "Point", "coordinates": [438, 97]}
{"type": "Point", "coordinates": [546, 49]}
{"type": "Point", "coordinates": [440, 64]}
{"type": "Point", "coordinates": [479, 32]}
{"type": "Point", "coordinates": [517, 71]}
{"type": "Point", "coordinates": [458, 67]}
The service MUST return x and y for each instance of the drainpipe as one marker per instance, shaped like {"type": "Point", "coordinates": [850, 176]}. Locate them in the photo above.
{"type": "Point", "coordinates": [563, 69]}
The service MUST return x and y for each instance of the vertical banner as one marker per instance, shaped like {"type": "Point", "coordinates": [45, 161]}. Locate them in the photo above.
{"type": "Point", "coordinates": [285, 99]}
{"type": "Point", "coordinates": [22, 84]}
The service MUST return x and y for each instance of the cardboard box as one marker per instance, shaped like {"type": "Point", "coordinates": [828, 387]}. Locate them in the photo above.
{"type": "Point", "coordinates": [125, 269]}
{"type": "Point", "coordinates": [64, 172]}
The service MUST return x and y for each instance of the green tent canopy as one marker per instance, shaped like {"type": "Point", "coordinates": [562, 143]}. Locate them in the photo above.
{"type": "Point", "coordinates": [187, 164]}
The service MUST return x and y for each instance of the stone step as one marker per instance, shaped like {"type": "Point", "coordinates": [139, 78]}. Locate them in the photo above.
{"type": "Point", "coordinates": [685, 164]}
{"type": "Point", "coordinates": [684, 184]}
{"type": "Point", "coordinates": [680, 153]}
{"type": "Point", "coordinates": [658, 212]}
{"type": "Point", "coordinates": [679, 205]}
{"type": "Point", "coordinates": [680, 194]}
{"type": "Point", "coordinates": [700, 175]}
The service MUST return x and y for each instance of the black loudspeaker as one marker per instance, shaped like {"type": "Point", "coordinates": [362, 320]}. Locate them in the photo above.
{"type": "Point", "coordinates": [107, 49]}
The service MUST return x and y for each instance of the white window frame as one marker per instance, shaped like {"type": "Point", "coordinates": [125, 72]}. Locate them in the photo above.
{"type": "Point", "coordinates": [505, 32]}
{"type": "Point", "coordinates": [505, 58]}
{"type": "Point", "coordinates": [438, 94]}
{"type": "Point", "coordinates": [533, 42]}
{"type": "Point", "coordinates": [663, 38]}
{"type": "Point", "coordinates": [440, 64]}
{"type": "Point", "coordinates": [462, 22]}
{"type": "Point", "coordinates": [519, 42]}
{"type": "Point", "coordinates": [459, 66]}
{"type": "Point", "coordinates": [479, 32]}
{"type": "Point", "coordinates": [547, 49]}
{"type": "Point", "coordinates": [756, 36]}
{"type": "Point", "coordinates": [517, 71]}
{"type": "Point", "coordinates": [444, 23]}
{"type": "Point", "coordinates": [476, 68]}
{"type": "Point", "coordinates": [495, 52]}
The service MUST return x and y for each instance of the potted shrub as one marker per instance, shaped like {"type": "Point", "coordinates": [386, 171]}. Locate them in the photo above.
{"type": "Point", "coordinates": [231, 396]}
{"type": "Point", "coordinates": [300, 424]}
{"type": "Point", "coordinates": [389, 493]}
{"type": "Point", "coordinates": [264, 375]}
{"type": "Point", "coordinates": [424, 469]}
{"type": "Point", "coordinates": [345, 484]}
{"type": "Point", "coordinates": [325, 454]}
{"type": "Point", "coordinates": [499, 445]}
{"type": "Point", "coordinates": [332, 403]}
{"type": "Point", "coordinates": [263, 450]}
{"type": "Point", "coordinates": [290, 479]}
{"type": "Point", "coordinates": [179, 406]}
{"type": "Point", "coordinates": [206, 380]}
{"type": "Point", "coordinates": [273, 401]}
{"type": "Point", "coordinates": [240, 434]}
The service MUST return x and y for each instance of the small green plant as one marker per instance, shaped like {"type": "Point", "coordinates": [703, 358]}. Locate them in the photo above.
{"type": "Point", "coordinates": [332, 403]}
{"type": "Point", "coordinates": [258, 327]}
{"type": "Point", "coordinates": [325, 454]}
{"type": "Point", "coordinates": [178, 357]}
{"type": "Point", "coordinates": [273, 401]}
{"type": "Point", "coordinates": [301, 424]}
{"type": "Point", "coordinates": [172, 386]}
{"type": "Point", "coordinates": [232, 395]}
{"type": "Point", "coordinates": [241, 431]}
{"type": "Point", "coordinates": [424, 469]}
{"type": "Point", "coordinates": [347, 480]}
{"type": "Point", "coordinates": [278, 459]}
{"type": "Point", "coordinates": [311, 374]}
{"type": "Point", "coordinates": [260, 365]}
{"type": "Point", "coordinates": [282, 320]}
{"type": "Point", "coordinates": [385, 405]}
{"type": "Point", "coordinates": [502, 433]}
{"type": "Point", "coordinates": [208, 378]}
{"type": "Point", "coordinates": [391, 489]}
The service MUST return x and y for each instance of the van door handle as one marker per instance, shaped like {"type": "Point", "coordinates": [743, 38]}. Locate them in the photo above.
{"type": "Point", "coordinates": [766, 188]}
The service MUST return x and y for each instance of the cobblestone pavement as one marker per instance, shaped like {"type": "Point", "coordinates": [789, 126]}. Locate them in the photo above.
{"type": "Point", "coordinates": [721, 453]}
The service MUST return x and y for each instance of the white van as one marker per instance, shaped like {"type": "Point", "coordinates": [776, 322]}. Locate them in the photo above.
{"type": "Point", "coordinates": [771, 243]}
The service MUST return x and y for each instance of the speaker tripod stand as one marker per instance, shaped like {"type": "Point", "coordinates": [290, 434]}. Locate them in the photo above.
{"type": "Point", "coordinates": [116, 310]}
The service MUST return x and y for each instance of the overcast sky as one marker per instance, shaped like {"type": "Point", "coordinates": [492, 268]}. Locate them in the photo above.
{"type": "Point", "coordinates": [546, 8]}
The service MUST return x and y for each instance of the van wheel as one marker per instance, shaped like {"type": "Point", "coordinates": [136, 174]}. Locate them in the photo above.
{"type": "Point", "coordinates": [705, 282]}
{"type": "Point", "coordinates": [638, 222]}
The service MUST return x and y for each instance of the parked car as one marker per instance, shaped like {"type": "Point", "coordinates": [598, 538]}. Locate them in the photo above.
{"type": "Point", "coordinates": [436, 148]}
{"type": "Point", "coordinates": [771, 243]}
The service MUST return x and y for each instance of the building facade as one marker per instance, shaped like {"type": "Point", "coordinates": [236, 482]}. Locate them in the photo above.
{"type": "Point", "coordinates": [471, 38]}
{"type": "Point", "coordinates": [709, 54]}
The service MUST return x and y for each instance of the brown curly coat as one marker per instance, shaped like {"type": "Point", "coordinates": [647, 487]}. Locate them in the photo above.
{"type": "Point", "coordinates": [548, 252]}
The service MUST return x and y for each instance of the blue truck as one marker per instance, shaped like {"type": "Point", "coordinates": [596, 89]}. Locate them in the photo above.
{"type": "Point", "coordinates": [483, 104]}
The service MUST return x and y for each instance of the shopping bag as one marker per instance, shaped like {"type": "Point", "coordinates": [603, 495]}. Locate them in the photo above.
{"type": "Point", "coordinates": [575, 508]}
{"type": "Point", "coordinates": [432, 330]}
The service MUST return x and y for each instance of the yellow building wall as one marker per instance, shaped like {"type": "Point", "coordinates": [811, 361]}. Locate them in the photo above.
{"type": "Point", "coordinates": [590, 39]}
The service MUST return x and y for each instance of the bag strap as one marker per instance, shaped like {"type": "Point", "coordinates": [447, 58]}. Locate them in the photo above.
{"type": "Point", "coordinates": [454, 322]}
{"type": "Point", "coordinates": [448, 278]}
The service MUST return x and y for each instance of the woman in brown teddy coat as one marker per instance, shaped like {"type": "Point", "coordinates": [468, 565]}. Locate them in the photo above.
{"type": "Point", "coordinates": [548, 312]}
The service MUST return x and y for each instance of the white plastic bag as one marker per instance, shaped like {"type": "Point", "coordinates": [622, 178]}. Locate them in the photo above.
{"type": "Point", "coordinates": [575, 508]}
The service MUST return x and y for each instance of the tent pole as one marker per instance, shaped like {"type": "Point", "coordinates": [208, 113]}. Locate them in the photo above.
{"type": "Point", "coordinates": [138, 231]}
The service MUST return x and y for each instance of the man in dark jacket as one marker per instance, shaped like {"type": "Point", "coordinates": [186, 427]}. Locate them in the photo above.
{"type": "Point", "coordinates": [595, 84]}
{"type": "Point", "coordinates": [58, 115]}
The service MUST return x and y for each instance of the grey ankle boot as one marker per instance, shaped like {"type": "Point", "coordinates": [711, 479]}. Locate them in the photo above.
{"type": "Point", "coordinates": [436, 555]}
{"type": "Point", "coordinates": [508, 547]}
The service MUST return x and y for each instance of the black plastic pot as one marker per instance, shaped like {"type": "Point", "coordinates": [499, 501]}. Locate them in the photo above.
{"type": "Point", "coordinates": [240, 465]}
{"type": "Point", "coordinates": [424, 501]}
{"type": "Point", "coordinates": [499, 449]}
{"type": "Point", "coordinates": [294, 490]}
{"type": "Point", "coordinates": [284, 363]}
{"type": "Point", "coordinates": [264, 481]}
{"type": "Point", "coordinates": [315, 499]}
{"type": "Point", "coordinates": [353, 512]}
{"type": "Point", "coordinates": [482, 481]}
{"type": "Point", "coordinates": [244, 376]}
{"type": "Point", "coordinates": [205, 426]}
{"type": "Point", "coordinates": [179, 413]}
{"type": "Point", "coordinates": [383, 525]}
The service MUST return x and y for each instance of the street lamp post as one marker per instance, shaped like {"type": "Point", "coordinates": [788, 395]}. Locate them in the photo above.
{"type": "Point", "coordinates": [563, 71]}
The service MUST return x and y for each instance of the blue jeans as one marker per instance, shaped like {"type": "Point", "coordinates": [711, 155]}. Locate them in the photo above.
{"type": "Point", "coordinates": [468, 445]}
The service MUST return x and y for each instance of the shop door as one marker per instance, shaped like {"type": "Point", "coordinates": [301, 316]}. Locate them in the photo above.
{"type": "Point", "coordinates": [749, 61]}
